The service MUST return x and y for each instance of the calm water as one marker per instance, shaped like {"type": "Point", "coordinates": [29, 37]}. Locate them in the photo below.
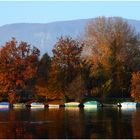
{"type": "Point", "coordinates": [70, 123]}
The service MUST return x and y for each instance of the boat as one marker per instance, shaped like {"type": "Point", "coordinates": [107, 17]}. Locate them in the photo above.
{"type": "Point", "coordinates": [128, 104]}
{"type": "Point", "coordinates": [91, 104]}
{"type": "Point", "coordinates": [53, 105]}
{"type": "Point", "coordinates": [4, 104]}
{"type": "Point", "coordinates": [19, 105]}
{"type": "Point", "coordinates": [72, 104]}
{"type": "Point", "coordinates": [37, 105]}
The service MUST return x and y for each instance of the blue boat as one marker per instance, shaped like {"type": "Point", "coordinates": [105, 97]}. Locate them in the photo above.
{"type": "Point", "coordinates": [4, 104]}
{"type": "Point", "coordinates": [91, 104]}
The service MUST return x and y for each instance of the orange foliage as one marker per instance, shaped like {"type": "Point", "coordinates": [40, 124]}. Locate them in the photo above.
{"type": "Point", "coordinates": [135, 86]}
{"type": "Point", "coordinates": [18, 64]}
{"type": "Point", "coordinates": [113, 42]}
{"type": "Point", "coordinates": [67, 52]}
{"type": "Point", "coordinates": [49, 94]}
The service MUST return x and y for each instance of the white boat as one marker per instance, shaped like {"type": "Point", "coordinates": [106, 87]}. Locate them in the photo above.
{"type": "Point", "coordinates": [4, 104]}
{"type": "Point", "coordinates": [37, 105]}
{"type": "Point", "coordinates": [72, 104]}
{"type": "Point", "coordinates": [53, 105]}
{"type": "Point", "coordinates": [128, 104]}
{"type": "Point", "coordinates": [19, 105]}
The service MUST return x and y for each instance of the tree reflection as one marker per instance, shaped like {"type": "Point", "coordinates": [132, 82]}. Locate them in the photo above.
{"type": "Point", "coordinates": [65, 123]}
{"type": "Point", "coordinates": [106, 123]}
{"type": "Point", "coordinates": [135, 123]}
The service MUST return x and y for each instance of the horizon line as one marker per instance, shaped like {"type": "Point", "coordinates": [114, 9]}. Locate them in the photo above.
{"type": "Point", "coordinates": [70, 20]}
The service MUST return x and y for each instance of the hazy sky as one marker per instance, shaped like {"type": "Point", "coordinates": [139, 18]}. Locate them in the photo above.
{"type": "Point", "coordinates": [47, 11]}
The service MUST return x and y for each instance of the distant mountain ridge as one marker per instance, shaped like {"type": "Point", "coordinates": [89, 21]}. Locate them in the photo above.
{"type": "Point", "coordinates": [44, 36]}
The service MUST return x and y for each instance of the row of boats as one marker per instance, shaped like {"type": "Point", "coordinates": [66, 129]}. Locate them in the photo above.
{"type": "Point", "coordinates": [88, 104]}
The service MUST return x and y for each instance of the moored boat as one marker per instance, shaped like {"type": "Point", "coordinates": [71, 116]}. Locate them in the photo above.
{"type": "Point", "coordinates": [72, 104]}
{"type": "Point", "coordinates": [37, 105]}
{"type": "Point", "coordinates": [91, 104]}
{"type": "Point", "coordinates": [19, 105]}
{"type": "Point", "coordinates": [4, 104]}
{"type": "Point", "coordinates": [128, 104]}
{"type": "Point", "coordinates": [53, 105]}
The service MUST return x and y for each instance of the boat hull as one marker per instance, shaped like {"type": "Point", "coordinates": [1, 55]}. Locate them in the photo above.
{"type": "Point", "coordinates": [4, 105]}
{"type": "Point", "coordinates": [91, 104]}
{"type": "Point", "coordinates": [37, 105]}
{"type": "Point", "coordinates": [53, 106]}
{"type": "Point", "coordinates": [128, 105]}
{"type": "Point", "coordinates": [72, 104]}
{"type": "Point", "coordinates": [19, 105]}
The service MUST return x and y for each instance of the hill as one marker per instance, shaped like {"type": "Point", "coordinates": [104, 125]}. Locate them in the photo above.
{"type": "Point", "coordinates": [44, 36]}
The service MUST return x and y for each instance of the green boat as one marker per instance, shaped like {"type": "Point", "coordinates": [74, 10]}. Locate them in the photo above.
{"type": "Point", "coordinates": [91, 104]}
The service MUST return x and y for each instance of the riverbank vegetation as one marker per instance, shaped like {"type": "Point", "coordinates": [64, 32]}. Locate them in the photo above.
{"type": "Point", "coordinates": [104, 64]}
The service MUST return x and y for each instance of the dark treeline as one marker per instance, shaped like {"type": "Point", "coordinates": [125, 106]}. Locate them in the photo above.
{"type": "Point", "coordinates": [105, 63]}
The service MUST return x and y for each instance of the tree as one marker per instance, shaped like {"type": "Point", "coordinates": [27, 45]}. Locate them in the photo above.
{"type": "Point", "coordinates": [135, 86]}
{"type": "Point", "coordinates": [18, 66]}
{"type": "Point", "coordinates": [44, 65]}
{"type": "Point", "coordinates": [115, 52]}
{"type": "Point", "coordinates": [41, 85]}
{"type": "Point", "coordinates": [66, 60]}
{"type": "Point", "coordinates": [76, 89]}
{"type": "Point", "coordinates": [55, 81]}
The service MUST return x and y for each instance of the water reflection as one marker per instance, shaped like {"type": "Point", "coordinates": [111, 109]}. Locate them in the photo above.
{"type": "Point", "coordinates": [3, 109]}
{"type": "Point", "coordinates": [70, 123]}
{"type": "Point", "coordinates": [107, 123]}
{"type": "Point", "coordinates": [135, 123]}
{"type": "Point", "coordinates": [126, 110]}
{"type": "Point", "coordinates": [74, 124]}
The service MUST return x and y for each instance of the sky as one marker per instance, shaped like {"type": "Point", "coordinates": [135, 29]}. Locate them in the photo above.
{"type": "Point", "coordinates": [50, 11]}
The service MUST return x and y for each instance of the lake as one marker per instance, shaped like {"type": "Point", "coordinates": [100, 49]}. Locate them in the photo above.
{"type": "Point", "coordinates": [67, 123]}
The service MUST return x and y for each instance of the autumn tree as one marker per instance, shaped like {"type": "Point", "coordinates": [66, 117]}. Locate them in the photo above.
{"type": "Point", "coordinates": [18, 66]}
{"type": "Point", "coordinates": [76, 89]}
{"type": "Point", "coordinates": [135, 86]}
{"type": "Point", "coordinates": [54, 83]}
{"type": "Point", "coordinates": [67, 60]}
{"type": "Point", "coordinates": [115, 53]}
